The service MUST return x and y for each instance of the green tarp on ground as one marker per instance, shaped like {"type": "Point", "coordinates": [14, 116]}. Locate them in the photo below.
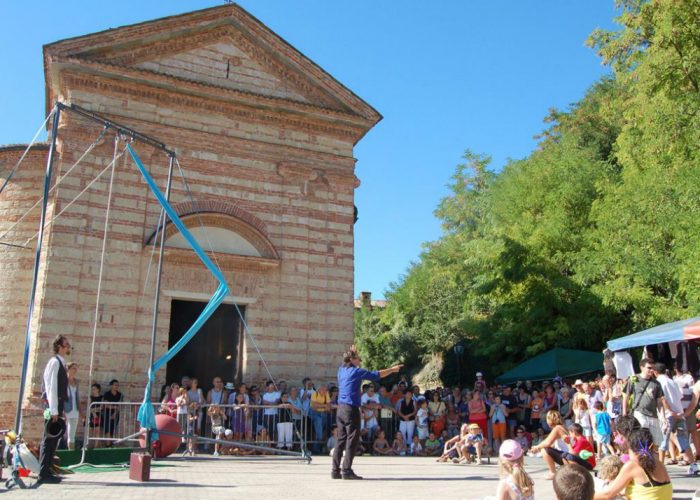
{"type": "Point", "coordinates": [557, 362]}
{"type": "Point", "coordinates": [102, 456]}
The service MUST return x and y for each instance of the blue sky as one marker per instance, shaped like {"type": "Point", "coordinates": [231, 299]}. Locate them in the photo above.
{"type": "Point", "coordinates": [447, 76]}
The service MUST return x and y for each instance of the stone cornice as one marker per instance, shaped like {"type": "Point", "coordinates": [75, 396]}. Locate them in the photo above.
{"type": "Point", "coordinates": [183, 85]}
{"type": "Point", "coordinates": [173, 95]}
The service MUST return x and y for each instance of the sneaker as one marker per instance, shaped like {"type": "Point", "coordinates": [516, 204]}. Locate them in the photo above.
{"type": "Point", "coordinates": [693, 469]}
{"type": "Point", "coordinates": [216, 454]}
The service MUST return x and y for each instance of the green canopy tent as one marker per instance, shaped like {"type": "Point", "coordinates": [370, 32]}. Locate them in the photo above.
{"type": "Point", "coordinates": [557, 362]}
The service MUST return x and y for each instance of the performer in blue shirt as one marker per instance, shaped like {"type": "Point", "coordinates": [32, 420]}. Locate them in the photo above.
{"type": "Point", "coordinates": [350, 377]}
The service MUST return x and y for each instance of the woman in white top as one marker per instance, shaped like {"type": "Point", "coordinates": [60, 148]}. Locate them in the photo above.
{"type": "Point", "coordinates": [73, 406]}
{"type": "Point", "coordinates": [554, 441]}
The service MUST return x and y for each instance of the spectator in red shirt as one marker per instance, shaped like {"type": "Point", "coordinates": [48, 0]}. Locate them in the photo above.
{"type": "Point", "coordinates": [580, 449]}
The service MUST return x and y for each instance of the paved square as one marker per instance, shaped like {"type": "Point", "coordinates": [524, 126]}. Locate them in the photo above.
{"type": "Point", "coordinates": [268, 477]}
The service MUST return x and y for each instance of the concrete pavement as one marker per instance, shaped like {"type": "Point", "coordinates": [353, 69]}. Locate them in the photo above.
{"type": "Point", "coordinates": [268, 477]}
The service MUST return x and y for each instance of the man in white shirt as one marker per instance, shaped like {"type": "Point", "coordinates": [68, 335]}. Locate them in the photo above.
{"type": "Point", "coordinates": [56, 395]}
{"type": "Point", "coordinates": [675, 418]}
{"type": "Point", "coordinates": [593, 395]}
{"type": "Point", "coordinates": [270, 399]}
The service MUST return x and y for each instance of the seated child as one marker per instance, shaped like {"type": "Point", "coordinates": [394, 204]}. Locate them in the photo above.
{"type": "Point", "coordinates": [573, 482]}
{"type": "Point", "coordinates": [227, 449]}
{"type": "Point", "coordinates": [417, 448]}
{"type": "Point", "coordinates": [608, 470]}
{"type": "Point", "coordinates": [381, 445]}
{"type": "Point", "coordinates": [399, 445]}
{"type": "Point", "coordinates": [449, 449]}
{"type": "Point", "coordinates": [538, 437]}
{"type": "Point", "coordinates": [330, 444]}
{"type": "Point", "coordinates": [580, 450]}
{"type": "Point", "coordinates": [473, 443]}
{"type": "Point", "coordinates": [433, 446]}
{"type": "Point", "coordinates": [263, 439]}
{"type": "Point", "coordinates": [521, 438]}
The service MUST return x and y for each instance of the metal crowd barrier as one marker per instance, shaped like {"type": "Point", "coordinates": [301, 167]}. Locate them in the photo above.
{"type": "Point", "coordinates": [114, 423]}
{"type": "Point", "coordinates": [262, 425]}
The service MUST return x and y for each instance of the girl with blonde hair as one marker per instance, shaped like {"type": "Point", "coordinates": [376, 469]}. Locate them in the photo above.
{"type": "Point", "coordinates": [515, 483]}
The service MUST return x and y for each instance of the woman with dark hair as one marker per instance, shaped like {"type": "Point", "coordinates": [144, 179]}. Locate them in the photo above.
{"type": "Point", "coordinates": [551, 402]}
{"type": "Point", "coordinates": [407, 412]}
{"type": "Point", "coordinates": [644, 476]}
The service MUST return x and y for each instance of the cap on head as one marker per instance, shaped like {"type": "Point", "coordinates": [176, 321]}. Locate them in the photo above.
{"type": "Point", "coordinates": [578, 382]}
{"type": "Point", "coordinates": [510, 450]}
{"type": "Point", "coordinates": [479, 374]}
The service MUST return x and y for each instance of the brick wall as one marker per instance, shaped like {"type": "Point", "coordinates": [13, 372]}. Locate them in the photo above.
{"type": "Point", "coordinates": [284, 179]}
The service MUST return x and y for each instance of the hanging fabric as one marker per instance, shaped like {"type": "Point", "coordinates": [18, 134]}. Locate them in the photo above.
{"type": "Point", "coordinates": [146, 414]}
{"type": "Point", "coordinates": [623, 364]}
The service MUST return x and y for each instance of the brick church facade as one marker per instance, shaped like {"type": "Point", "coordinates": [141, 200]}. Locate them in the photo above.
{"type": "Point", "coordinates": [266, 140]}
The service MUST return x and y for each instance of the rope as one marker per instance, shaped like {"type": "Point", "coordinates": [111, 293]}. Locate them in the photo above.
{"type": "Point", "coordinates": [58, 180]}
{"type": "Point", "coordinates": [99, 279]}
{"type": "Point", "coordinates": [246, 329]}
{"type": "Point", "coordinates": [148, 274]}
{"type": "Point", "coordinates": [80, 194]}
{"type": "Point", "coordinates": [150, 261]}
{"type": "Point", "coordinates": [26, 151]}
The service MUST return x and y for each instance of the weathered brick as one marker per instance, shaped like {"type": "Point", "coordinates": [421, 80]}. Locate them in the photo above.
{"type": "Point", "coordinates": [267, 148]}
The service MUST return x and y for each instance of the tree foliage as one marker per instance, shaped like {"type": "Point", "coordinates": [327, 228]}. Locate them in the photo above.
{"type": "Point", "coordinates": [591, 236]}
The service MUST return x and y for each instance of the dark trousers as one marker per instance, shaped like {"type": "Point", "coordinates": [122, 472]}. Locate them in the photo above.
{"type": "Point", "coordinates": [348, 422]}
{"type": "Point", "coordinates": [560, 456]}
{"type": "Point", "coordinates": [49, 444]}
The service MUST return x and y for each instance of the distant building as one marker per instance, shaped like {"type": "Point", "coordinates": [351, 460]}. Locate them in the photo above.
{"type": "Point", "coordinates": [365, 299]}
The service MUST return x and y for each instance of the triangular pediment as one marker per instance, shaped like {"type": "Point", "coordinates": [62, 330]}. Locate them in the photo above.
{"type": "Point", "coordinates": [223, 48]}
{"type": "Point", "coordinates": [223, 64]}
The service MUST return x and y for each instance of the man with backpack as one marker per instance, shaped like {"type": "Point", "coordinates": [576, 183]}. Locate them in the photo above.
{"type": "Point", "coordinates": [646, 397]}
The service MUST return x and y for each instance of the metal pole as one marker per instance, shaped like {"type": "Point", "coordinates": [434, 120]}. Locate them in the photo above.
{"type": "Point", "coordinates": [35, 276]}
{"type": "Point", "coordinates": [159, 274]}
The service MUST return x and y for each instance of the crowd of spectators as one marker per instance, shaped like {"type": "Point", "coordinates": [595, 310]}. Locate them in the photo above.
{"type": "Point", "coordinates": [630, 429]}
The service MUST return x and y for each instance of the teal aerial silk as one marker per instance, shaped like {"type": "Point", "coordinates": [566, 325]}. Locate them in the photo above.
{"type": "Point", "coordinates": [146, 415]}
